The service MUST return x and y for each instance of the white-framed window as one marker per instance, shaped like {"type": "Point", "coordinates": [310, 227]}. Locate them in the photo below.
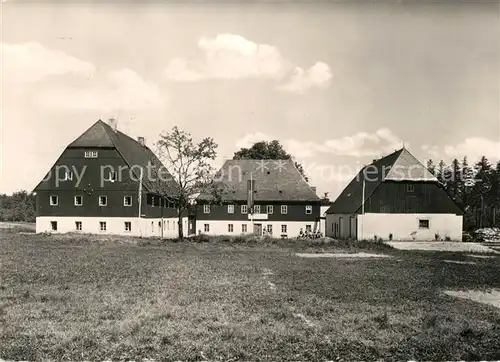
{"type": "Point", "coordinates": [284, 209]}
{"type": "Point", "coordinates": [270, 209]}
{"type": "Point", "coordinates": [230, 228]}
{"type": "Point", "coordinates": [256, 209]}
{"type": "Point", "coordinates": [270, 228]}
{"type": "Point", "coordinates": [206, 209]}
{"type": "Point", "coordinates": [423, 223]}
{"type": "Point", "coordinates": [53, 225]}
{"type": "Point", "coordinates": [127, 201]}
{"type": "Point", "coordinates": [309, 209]}
{"type": "Point", "coordinates": [230, 209]}
{"type": "Point", "coordinates": [91, 154]}
{"type": "Point", "coordinates": [78, 200]}
{"type": "Point", "coordinates": [243, 228]}
{"type": "Point", "coordinates": [68, 176]}
{"type": "Point", "coordinates": [54, 200]}
{"type": "Point", "coordinates": [102, 225]}
{"type": "Point", "coordinates": [410, 188]}
{"type": "Point", "coordinates": [283, 229]}
{"type": "Point", "coordinates": [78, 225]}
{"type": "Point", "coordinates": [128, 226]}
{"type": "Point", "coordinates": [206, 227]}
{"type": "Point", "coordinates": [113, 176]}
{"type": "Point", "coordinates": [244, 209]}
{"type": "Point", "coordinates": [103, 200]}
{"type": "Point", "coordinates": [308, 228]}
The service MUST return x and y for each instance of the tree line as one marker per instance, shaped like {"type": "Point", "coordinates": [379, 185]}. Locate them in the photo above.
{"type": "Point", "coordinates": [475, 187]}
{"type": "Point", "coordinates": [20, 206]}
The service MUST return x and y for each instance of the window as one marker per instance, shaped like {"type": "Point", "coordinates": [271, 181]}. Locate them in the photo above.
{"type": "Point", "coordinates": [54, 200]}
{"type": "Point", "coordinates": [168, 225]}
{"type": "Point", "coordinates": [159, 225]}
{"type": "Point", "coordinates": [128, 226]}
{"type": "Point", "coordinates": [283, 229]}
{"type": "Point", "coordinates": [206, 209]}
{"type": "Point", "coordinates": [78, 225]}
{"type": "Point", "coordinates": [102, 225]}
{"type": "Point", "coordinates": [78, 200]}
{"type": "Point", "coordinates": [410, 188]}
{"type": "Point", "coordinates": [68, 176]}
{"type": "Point", "coordinates": [284, 209]}
{"type": "Point", "coordinates": [244, 209]}
{"type": "Point", "coordinates": [152, 226]}
{"type": "Point", "coordinates": [91, 154]}
{"type": "Point", "coordinates": [270, 209]}
{"type": "Point", "coordinates": [206, 227]}
{"type": "Point", "coordinates": [127, 201]}
{"type": "Point", "coordinates": [423, 223]}
{"type": "Point", "coordinates": [256, 209]}
{"type": "Point", "coordinates": [230, 228]}
{"type": "Point", "coordinates": [308, 228]}
{"type": "Point", "coordinates": [53, 225]}
{"type": "Point", "coordinates": [243, 228]}
{"type": "Point", "coordinates": [309, 209]}
{"type": "Point", "coordinates": [270, 229]}
{"type": "Point", "coordinates": [112, 176]}
{"type": "Point", "coordinates": [230, 209]}
{"type": "Point", "coordinates": [103, 200]}
{"type": "Point", "coordinates": [152, 201]}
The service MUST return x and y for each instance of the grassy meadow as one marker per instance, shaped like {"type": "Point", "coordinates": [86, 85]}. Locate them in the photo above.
{"type": "Point", "coordinates": [91, 298]}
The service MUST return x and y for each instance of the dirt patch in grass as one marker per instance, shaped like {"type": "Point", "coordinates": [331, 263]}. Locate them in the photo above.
{"type": "Point", "coordinates": [486, 297]}
{"type": "Point", "coordinates": [460, 262]}
{"type": "Point", "coordinates": [441, 246]}
{"type": "Point", "coordinates": [341, 255]}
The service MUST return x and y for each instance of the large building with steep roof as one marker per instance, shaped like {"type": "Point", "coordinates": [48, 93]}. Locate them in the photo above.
{"type": "Point", "coordinates": [398, 198]}
{"type": "Point", "coordinates": [97, 186]}
{"type": "Point", "coordinates": [283, 202]}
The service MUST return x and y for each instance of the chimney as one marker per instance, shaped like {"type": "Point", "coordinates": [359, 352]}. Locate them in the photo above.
{"type": "Point", "coordinates": [141, 141]}
{"type": "Point", "coordinates": [113, 123]}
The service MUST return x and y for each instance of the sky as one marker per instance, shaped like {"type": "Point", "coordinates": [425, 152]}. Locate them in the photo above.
{"type": "Point", "coordinates": [338, 84]}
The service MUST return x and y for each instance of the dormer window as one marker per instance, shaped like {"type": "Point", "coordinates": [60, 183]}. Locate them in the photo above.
{"type": "Point", "coordinates": [91, 154]}
{"type": "Point", "coordinates": [309, 210]}
{"type": "Point", "coordinates": [68, 176]}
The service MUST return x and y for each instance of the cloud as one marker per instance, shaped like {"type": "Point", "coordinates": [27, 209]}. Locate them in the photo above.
{"type": "Point", "coordinates": [473, 148]}
{"type": "Point", "coordinates": [232, 57]}
{"type": "Point", "coordinates": [32, 62]}
{"type": "Point", "coordinates": [122, 89]}
{"type": "Point", "coordinates": [319, 75]}
{"type": "Point", "coordinates": [361, 144]}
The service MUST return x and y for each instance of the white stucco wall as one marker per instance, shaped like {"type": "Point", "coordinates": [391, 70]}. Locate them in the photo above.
{"type": "Point", "coordinates": [403, 225]}
{"type": "Point", "coordinates": [114, 226]}
{"type": "Point", "coordinates": [220, 227]}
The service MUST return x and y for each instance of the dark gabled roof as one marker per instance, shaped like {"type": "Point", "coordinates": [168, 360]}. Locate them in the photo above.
{"type": "Point", "coordinates": [135, 155]}
{"type": "Point", "coordinates": [274, 180]}
{"type": "Point", "coordinates": [400, 165]}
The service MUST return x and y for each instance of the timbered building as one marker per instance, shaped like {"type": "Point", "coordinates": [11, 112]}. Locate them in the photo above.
{"type": "Point", "coordinates": [101, 184]}
{"type": "Point", "coordinates": [396, 198]}
{"type": "Point", "coordinates": [282, 203]}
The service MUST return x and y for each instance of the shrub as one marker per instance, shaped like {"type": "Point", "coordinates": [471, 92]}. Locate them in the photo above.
{"type": "Point", "coordinates": [390, 237]}
{"type": "Point", "coordinates": [436, 236]}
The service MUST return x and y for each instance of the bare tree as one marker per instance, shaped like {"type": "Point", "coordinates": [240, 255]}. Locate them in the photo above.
{"type": "Point", "coordinates": [187, 164]}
